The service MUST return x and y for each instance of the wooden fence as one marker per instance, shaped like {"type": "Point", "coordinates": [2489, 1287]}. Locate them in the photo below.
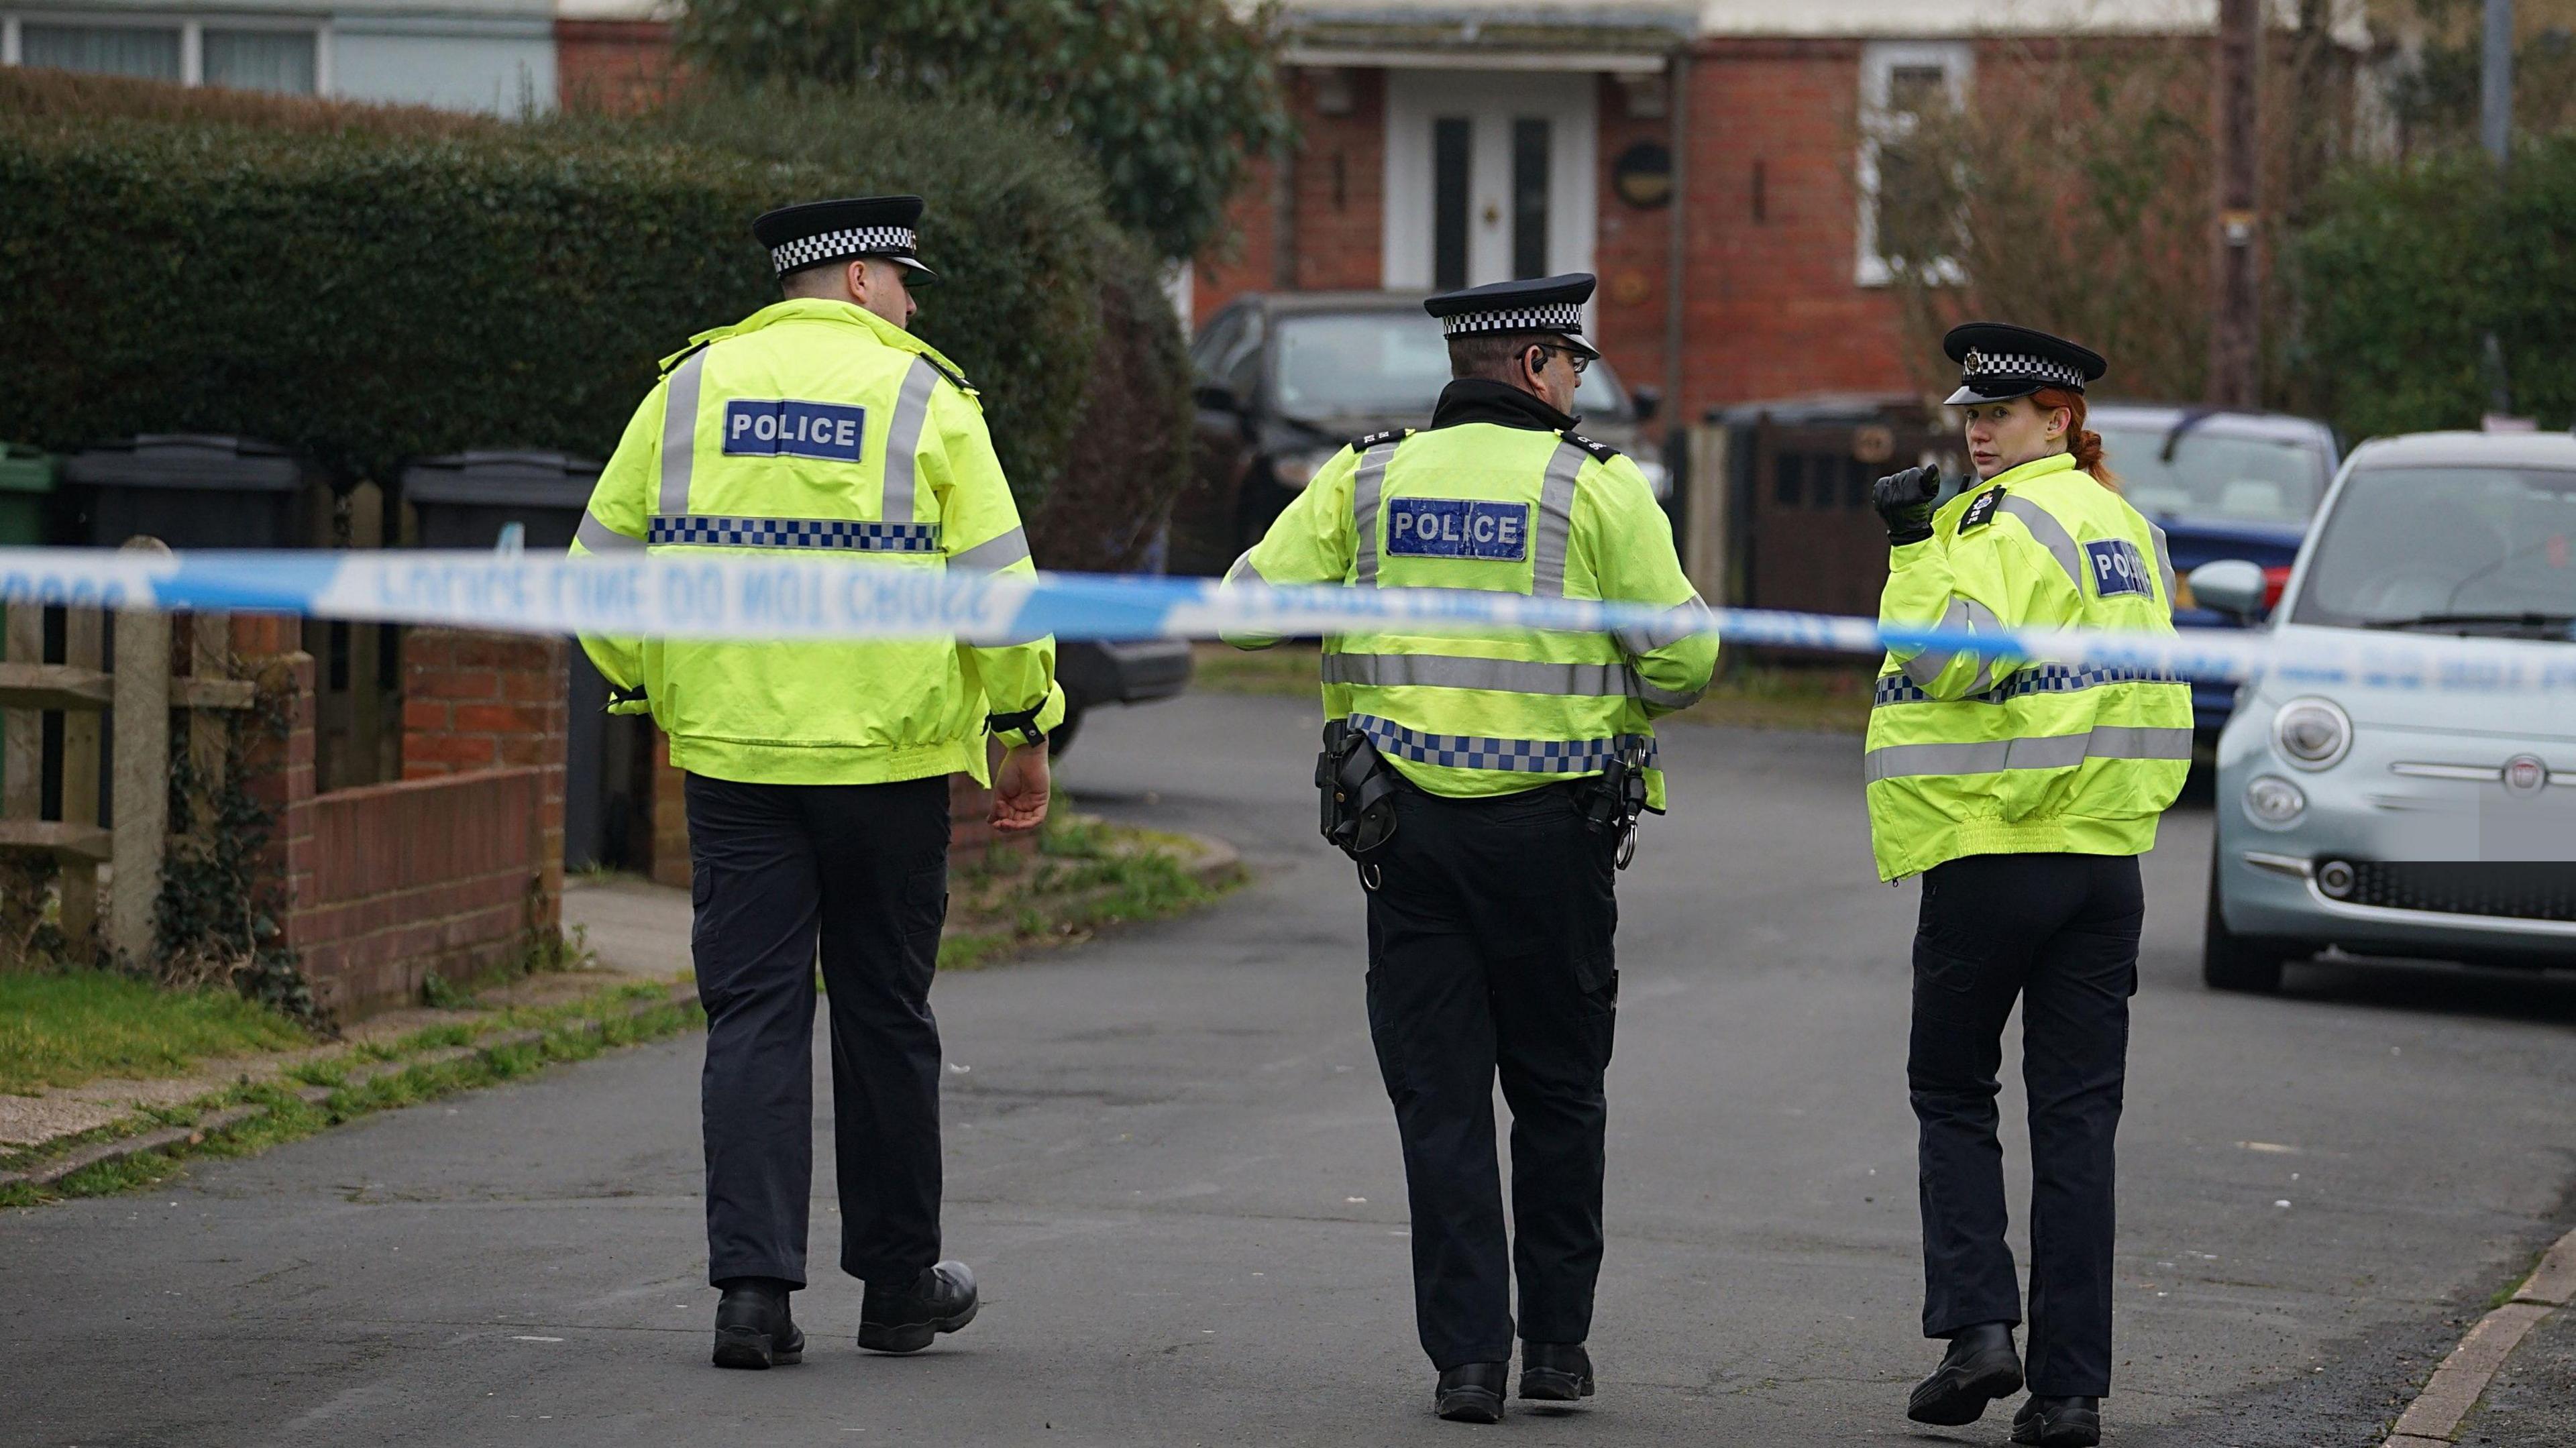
{"type": "Point", "coordinates": [135, 698]}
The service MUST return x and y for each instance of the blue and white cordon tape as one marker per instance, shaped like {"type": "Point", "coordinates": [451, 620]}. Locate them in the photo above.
{"type": "Point", "coordinates": [742, 596]}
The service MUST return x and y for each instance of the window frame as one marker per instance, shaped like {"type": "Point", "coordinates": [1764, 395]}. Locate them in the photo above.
{"type": "Point", "coordinates": [192, 30]}
{"type": "Point", "coordinates": [1879, 62]}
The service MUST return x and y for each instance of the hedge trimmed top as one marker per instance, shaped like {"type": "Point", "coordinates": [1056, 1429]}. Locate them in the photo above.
{"type": "Point", "coordinates": [371, 285]}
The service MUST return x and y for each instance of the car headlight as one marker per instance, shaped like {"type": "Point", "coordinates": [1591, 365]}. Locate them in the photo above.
{"type": "Point", "coordinates": [2273, 802]}
{"type": "Point", "coordinates": [1296, 469]}
{"type": "Point", "coordinates": [2312, 733]}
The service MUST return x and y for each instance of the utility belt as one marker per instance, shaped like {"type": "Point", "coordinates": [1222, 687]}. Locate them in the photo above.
{"type": "Point", "coordinates": [1358, 787]}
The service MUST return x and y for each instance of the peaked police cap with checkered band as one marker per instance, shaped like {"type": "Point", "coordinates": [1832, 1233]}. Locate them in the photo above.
{"type": "Point", "coordinates": [1998, 361]}
{"type": "Point", "coordinates": [818, 233]}
{"type": "Point", "coordinates": [1542, 304]}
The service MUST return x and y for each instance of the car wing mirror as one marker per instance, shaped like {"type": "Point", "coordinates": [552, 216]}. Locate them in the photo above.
{"type": "Point", "coordinates": [2230, 586]}
{"type": "Point", "coordinates": [1217, 397]}
{"type": "Point", "coordinates": [1649, 400]}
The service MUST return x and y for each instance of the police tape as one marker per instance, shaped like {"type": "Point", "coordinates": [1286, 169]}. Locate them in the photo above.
{"type": "Point", "coordinates": [755, 597]}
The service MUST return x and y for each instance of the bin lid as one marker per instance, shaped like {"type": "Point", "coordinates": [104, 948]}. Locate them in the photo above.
{"type": "Point", "coordinates": [24, 469]}
{"type": "Point", "coordinates": [526, 479]}
{"type": "Point", "coordinates": [186, 460]}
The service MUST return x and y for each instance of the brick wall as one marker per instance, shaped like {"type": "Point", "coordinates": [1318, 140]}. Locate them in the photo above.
{"type": "Point", "coordinates": [1632, 247]}
{"type": "Point", "coordinates": [1773, 309]}
{"type": "Point", "coordinates": [612, 65]}
{"type": "Point", "coordinates": [1336, 192]}
{"type": "Point", "coordinates": [448, 870]}
{"type": "Point", "coordinates": [444, 875]}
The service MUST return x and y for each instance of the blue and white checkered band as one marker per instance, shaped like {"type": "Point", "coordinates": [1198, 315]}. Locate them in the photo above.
{"type": "Point", "coordinates": [834, 534]}
{"type": "Point", "coordinates": [1519, 756]}
{"type": "Point", "coordinates": [808, 251]}
{"type": "Point", "coordinates": [1554, 317]}
{"type": "Point", "coordinates": [2018, 366]}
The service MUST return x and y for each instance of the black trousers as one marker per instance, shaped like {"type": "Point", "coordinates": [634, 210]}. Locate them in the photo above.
{"type": "Point", "coordinates": [863, 870]}
{"type": "Point", "coordinates": [1490, 954]}
{"type": "Point", "coordinates": [2061, 933]}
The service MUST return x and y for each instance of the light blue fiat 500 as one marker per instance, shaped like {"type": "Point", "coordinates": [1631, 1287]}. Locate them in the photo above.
{"type": "Point", "coordinates": [2404, 821]}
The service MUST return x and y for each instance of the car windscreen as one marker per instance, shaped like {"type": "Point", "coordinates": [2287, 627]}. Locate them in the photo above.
{"type": "Point", "coordinates": [2214, 475]}
{"type": "Point", "coordinates": [2445, 547]}
{"type": "Point", "coordinates": [1388, 364]}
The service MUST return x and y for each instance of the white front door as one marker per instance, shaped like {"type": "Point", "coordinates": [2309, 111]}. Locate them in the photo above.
{"type": "Point", "coordinates": [1489, 176]}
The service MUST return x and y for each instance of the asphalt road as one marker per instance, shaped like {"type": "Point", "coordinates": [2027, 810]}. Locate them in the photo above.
{"type": "Point", "coordinates": [1172, 1164]}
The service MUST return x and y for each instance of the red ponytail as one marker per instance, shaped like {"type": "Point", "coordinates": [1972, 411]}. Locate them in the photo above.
{"type": "Point", "coordinates": [2085, 445]}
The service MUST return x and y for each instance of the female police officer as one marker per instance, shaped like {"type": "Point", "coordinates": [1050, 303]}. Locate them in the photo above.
{"type": "Point", "coordinates": [2023, 793]}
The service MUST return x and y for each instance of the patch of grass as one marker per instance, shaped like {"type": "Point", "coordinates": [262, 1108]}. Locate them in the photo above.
{"type": "Point", "coordinates": [1290, 668]}
{"type": "Point", "coordinates": [63, 1028]}
{"type": "Point", "coordinates": [576, 1031]}
{"type": "Point", "coordinates": [1087, 873]}
{"type": "Point", "coordinates": [1818, 699]}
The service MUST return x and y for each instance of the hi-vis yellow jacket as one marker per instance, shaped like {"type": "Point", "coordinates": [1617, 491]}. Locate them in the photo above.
{"type": "Point", "coordinates": [1977, 756]}
{"type": "Point", "coordinates": [1510, 505]}
{"type": "Point", "coordinates": [816, 425]}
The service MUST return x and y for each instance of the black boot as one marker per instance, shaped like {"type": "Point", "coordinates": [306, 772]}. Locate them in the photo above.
{"type": "Point", "coordinates": [1472, 1392]}
{"type": "Point", "coordinates": [2059, 1422]}
{"type": "Point", "coordinates": [905, 1319]}
{"type": "Point", "coordinates": [1980, 1367]}
{"type": "Point", "coordinates": [753, 1329]}
{"type": "Point", "coordinates": [1555, 1372]}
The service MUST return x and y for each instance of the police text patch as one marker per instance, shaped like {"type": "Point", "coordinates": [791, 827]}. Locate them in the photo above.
{"type": "Point", "coordinates": [774, 427]}
{"type": "Point", "coordinates": [2118, 567]}
{"type": "Point", "coordinates": [1457, 528]}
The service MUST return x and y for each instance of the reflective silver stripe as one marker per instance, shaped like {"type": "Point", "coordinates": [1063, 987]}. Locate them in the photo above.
{"type": "Point", "coordinates": [680, 433]}
{"type": "Point", "coordinates": [1678, 623]}
{"type": "Point", "coordinates": [1666, 698]}
{"type": "Point", "coordinates": [1520, 756]}
{"type": "Point", "coordinates": [1963, 615]}
{"type": "Point", "coordinates": [1243, 568]}
{"type": "Point", "coordinates": [993, 554]}
{"type": "Point", "coordinates": [1555, 520]}
{"type": "Point", "coordinates": [903, 439]}
{"type": "Point", "coordinates": [1458, 671]}
{"type": "Point", "coordinates": [2050, 534]}
{"type": "Point", "coordinates": [1366, 485]}
{"type": "Point", "coordinates": [598, 537]}
{"type": "Point", "coordinates": [2054, 751]}
{"type": "Point", "coordinates": [2164, 564]}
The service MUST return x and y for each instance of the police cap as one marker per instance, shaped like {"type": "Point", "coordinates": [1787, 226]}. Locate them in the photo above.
{"type": "Point", "coordinates": [1999, 361]}
{"type": "Point", "coordinates": [818, 233]}
{"type": "Point", "coordinates": [1542, 304]}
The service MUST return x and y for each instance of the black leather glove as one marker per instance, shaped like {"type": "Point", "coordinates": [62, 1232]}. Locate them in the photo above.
{"type": "Point", "coordinates": [1904, 502]}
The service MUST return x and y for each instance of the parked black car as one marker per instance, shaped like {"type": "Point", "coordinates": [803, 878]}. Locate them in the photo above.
{"type": "Point", "coordinates": [1285, 379]}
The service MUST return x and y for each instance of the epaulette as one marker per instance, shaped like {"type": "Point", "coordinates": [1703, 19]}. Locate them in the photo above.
{"type": "Point", "coordinates": [1392, 434]}
{"type": "Point", "coordinates": [696, 345]}
{"type": "Point", "coordinates": [955, 378]}
{"type": "Point", "coordinates": [1601, 451]}
{"type": "Point", "coordinates": [1982, 511]}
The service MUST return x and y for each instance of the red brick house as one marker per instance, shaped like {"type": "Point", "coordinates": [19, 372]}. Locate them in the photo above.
{"type": "Point", "coordinates": [1713, 162]}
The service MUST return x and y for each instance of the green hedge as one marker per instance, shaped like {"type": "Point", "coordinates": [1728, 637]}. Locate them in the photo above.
{"type": "Point", "coordinates": [371, 286]}
{"type": "Point", "coordinates": [2405, 270]}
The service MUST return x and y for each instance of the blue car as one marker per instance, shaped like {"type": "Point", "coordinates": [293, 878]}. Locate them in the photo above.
{"type": "Point", "coordinates": [2238, 485]}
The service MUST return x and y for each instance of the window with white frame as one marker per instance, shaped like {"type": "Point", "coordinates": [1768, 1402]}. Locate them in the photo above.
{"type": "Point", "coordinates": [288, 57]}
{"type": "Point", "coordinates": [1904, 198]}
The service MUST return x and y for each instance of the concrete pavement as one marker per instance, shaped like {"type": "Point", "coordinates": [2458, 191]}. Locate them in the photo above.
{"type": "Point", "coordinates": [1173, 1166]}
